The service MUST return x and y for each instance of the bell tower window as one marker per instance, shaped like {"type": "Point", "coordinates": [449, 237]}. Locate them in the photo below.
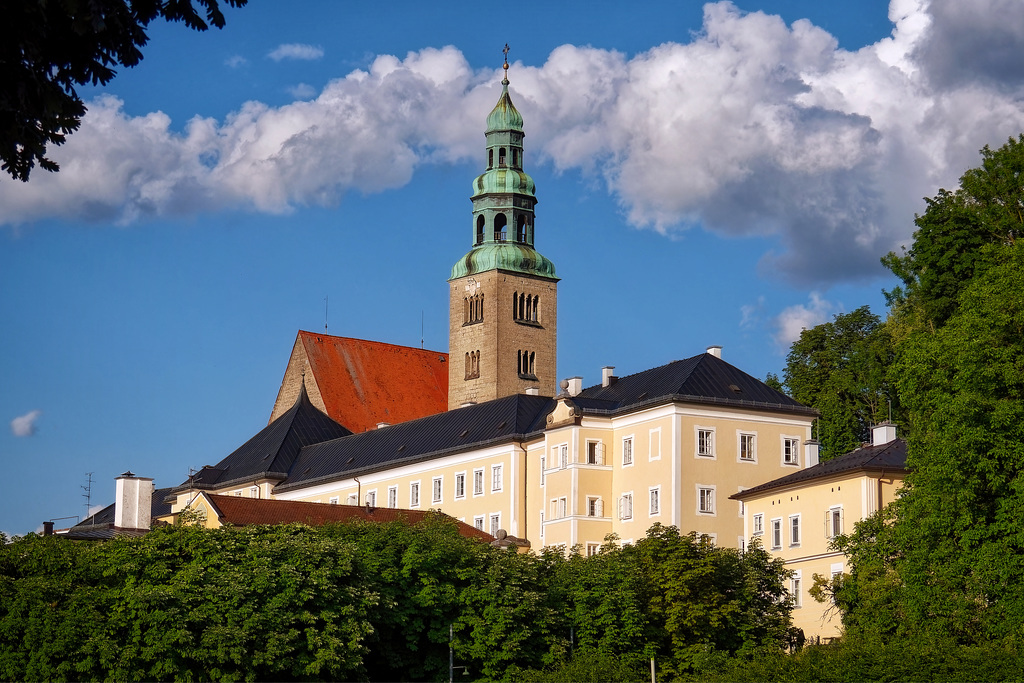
{"type": "Point", "coordinates": [500, 222]}
{"type": "Point", "coordinates": [521, 228]}
{"type": "Point", "coordinates": [490, 158]}
{"type": "Point", "coordinates": [515, 158]}
{"type": "Point", "coordinates": [479, 230]}
{"type": "Point", "coordinates": [501, 156]}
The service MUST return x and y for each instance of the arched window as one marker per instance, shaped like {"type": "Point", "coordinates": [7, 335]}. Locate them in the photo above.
{"type": "Point", "coordinates": [480, 310]}
{"type": "Point", "coordinates": [465, 310]}
{"type": "Point", "coordinates": [500, 221]}
{"type": "Point", "coordinates": [479, 230]}
{"type": "Point", "coordinates": [469, 366]}
{"type": "Point", "coordinates": [532, 358]}
{"type": "Point", "coordinates": [521, 228]}
{"type": "Point", "coordinates": [515, 158]}
{"type": "Point", "coordinates": [490, 158]}
{"type": "Point", "coordinates": [501, 156]}
{"type": "Point", "coordinates": [515, 305]}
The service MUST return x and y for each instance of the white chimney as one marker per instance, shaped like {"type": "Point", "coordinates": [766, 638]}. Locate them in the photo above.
{"type": "Point", "coordinates": [532, 391]}
{"type": "Point", "coordinates": [810, 453]}
{"type": "Point", "coordinates": [607, 378]}
{"type": "Point", "coordinates": [715, 351]}
{"type": "Point", "coordinates": [883, 433]}
{"type": "Point", "coordinates": [575, 386]}
{"type": "Point", "coordinates": [133, 502]}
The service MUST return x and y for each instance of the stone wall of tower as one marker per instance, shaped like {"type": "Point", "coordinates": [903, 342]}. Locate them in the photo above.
{"type": "Point", "coordinates": [499, 338]}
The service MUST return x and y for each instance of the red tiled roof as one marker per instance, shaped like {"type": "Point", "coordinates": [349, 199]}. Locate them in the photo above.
{"type": "Point", "coordinates": [244, 511]}
{"type": "Point", "coordinates": [363, 383]}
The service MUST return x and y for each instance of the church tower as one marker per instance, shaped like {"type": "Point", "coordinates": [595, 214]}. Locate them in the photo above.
{"type": "Point", "coordinates": [503, 303]}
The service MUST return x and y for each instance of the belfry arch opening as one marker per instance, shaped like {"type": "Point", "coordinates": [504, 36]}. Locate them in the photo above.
{"type": "Point", "coordinates": [480, 230]}
{"type": "Point", "coordinates": [521, 229]}
{"type": "Point", "coordinates": [500, 223]}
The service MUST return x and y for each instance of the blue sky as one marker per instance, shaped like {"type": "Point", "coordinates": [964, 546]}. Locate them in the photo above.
{"type": "Point", "coordinates": [707, 174]}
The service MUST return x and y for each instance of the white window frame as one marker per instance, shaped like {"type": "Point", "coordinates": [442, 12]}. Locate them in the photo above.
{"type": "Point", "coordinates": [796, 588]}
{"type": "Point", "coordinates": [740, 437]}
{"type": "Point", "coordinates": [776, 527]}
{"type": "Point", "coordinates": [371, 498]}
{"type": "Point", "coordinates": [833, 515]}
{"type": "Point", "coordinates": [542, 524]}
{"type": "Point", "coordinates": [495, 520]}
{"type": "Point", "coordinates": [595, 506]}
{"type": "Point", "coordinates": [654, 501]}
{"type": "Point", "coordinates": [707, 505]}
{"type": "Point", "coordinates": [563, 455]}
{"type": "Point", "coordinates": [478, 478]}
{"type": "Point", "coordinates": [626, 506]}
{"type": "Point", "coordinates": [353, 499]}
{"type": "Point", "coordinates": [478, 522]}
{"type": "Point", "coordinates": [437, 489]}
{"type": "Point", "coordinates": [392, 496]}
{"type": "Point", "coordinates": [414, 494]}
{"type": "Point", "coordinates": [497, 478]}
{"type": "Point", "coordinates": [628, 456]}
{"type": "Point", "coordinates": [460, 480]}
{"type": "Point", "coordinates": [254, 491]}
{"type": "Point", "coordinates": [334, 500]}
{"type": "Point", "coordinates": [757, 524]}
{"type": "Point", "coordinates": [593, 549]}
{"type": "Point", "coordinates": [836, 569]}
{"type": "Point", "coordinates": [795, 532]}
{"type": "Point", "coordinates": [651, 454]}
{"type": "Point", "coordinates": [697, 429]}
{"type": "Point", "coordinates": [598, 446]}
{"type": "Point", "coordinates": [793, 458]}
{"type": "Point", "coordinates": [543, 463]}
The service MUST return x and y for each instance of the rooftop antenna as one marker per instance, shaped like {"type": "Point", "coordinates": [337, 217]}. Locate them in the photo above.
{"type": "Point", "coordinates": [88, 492]}
{"type": "Point", "coordinates": [325, 315]}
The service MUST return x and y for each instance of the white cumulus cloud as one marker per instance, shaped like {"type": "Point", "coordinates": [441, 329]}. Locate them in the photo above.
{"type": "Point", "coordinates": [748, 127]}
{"type": "Point", "coordinates": [795, 319]}
{"type": "Point", "coordinates": [25, 425]}
{"type": "Point", "coordinates": [296, 51]}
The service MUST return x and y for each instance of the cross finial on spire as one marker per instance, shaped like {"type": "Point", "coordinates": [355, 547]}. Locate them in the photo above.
{"type": "Point", "coordinates": [505, 66]}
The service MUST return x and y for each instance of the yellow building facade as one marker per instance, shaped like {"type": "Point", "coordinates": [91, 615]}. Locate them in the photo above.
{"type": "Point", "coordinates": [797, 516]}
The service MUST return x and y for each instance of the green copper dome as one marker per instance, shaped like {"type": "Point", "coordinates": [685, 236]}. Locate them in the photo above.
{"type": "Point", "coordinates": [503, 180]}
{"type": "Point", "coordinates": [504, 116]}
{"type": "Point", "coordinates": [517, 258]}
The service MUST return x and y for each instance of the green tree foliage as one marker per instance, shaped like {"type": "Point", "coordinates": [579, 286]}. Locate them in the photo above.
{"type": "Point", "coordinates": [374, 602]}
{"type": "Point", "coordinates": [676, 598]}
{"type": "Point", "coordinates": [47, 48]}
{"type": "Point", "coordinates": [183, 603]}
{"type": "Point", "coordinates": [841, 369]}
{"type": "Point", "coordinates": [944, 562]}
{"type": "Point", "coordinates": [986, 209]}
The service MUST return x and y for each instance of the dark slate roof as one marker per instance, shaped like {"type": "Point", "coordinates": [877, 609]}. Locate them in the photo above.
{"type": "Point", "coordinates": [890, 457]}
{"type": "Point", "coordinates": [244, 511]}
{"type": "Point", "coordinates": [700, 379]}
{"type": "Point", "coordinates": [273, 450]}
{"type": "Point", "coordinates": [501, 420]}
